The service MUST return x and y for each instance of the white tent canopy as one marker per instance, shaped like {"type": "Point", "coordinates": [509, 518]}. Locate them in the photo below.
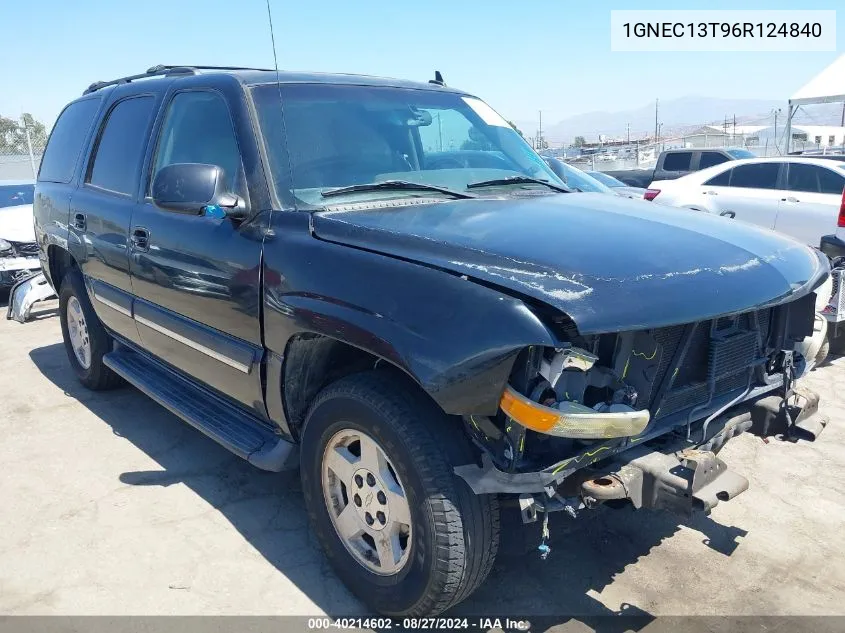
{"type": "Point", "coordinates": [826, 87]}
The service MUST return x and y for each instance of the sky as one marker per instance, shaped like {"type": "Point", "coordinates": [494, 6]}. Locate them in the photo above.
{"type": "Point", "coordinates": [521, 57]}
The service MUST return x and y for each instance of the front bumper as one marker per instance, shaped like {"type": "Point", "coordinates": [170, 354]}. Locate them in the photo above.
{"type": "Point", "coordinates": [13, 269]}
{"type": "Point", "coordinates": [666, 472]}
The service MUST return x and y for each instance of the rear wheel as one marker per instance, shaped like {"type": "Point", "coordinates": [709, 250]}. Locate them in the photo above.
{"type": "Point", "coordinates": [404, 533]}
{"type": "Point", "coordinates": [86, 340]}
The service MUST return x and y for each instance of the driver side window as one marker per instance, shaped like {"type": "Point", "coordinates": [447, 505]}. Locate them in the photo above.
{"type": "Point", "coordinates": [198, 129]}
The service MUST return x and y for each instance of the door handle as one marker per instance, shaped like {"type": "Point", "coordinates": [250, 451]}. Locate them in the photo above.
{"type": "Point", "coordinates": [710, 193]}
{"type": "Point", "coordinates": [140, 239]}
{"type": "Point", "coordinates": [79, 221]}
{"type": "Point", "coordinates": [728, 214]}
{"type": "Point", "coordinates": [790, 199]}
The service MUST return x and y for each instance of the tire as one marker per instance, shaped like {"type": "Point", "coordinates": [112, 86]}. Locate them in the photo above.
{"type": "Point", "coordinates": [95, 375]}
{"type": "Point", "coordinates": [454, 533]}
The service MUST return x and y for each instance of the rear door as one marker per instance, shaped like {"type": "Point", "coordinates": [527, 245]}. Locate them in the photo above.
{"type": "Point", "coordinates": [810, 205]}
{"type": "Point", "coordinates": [101, 209]}
{"type": "Point", "coordinates": [749, 192]}
{"type": "Point", "coordinates": [197, 278]}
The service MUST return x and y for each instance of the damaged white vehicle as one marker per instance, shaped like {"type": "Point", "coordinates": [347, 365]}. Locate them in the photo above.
{"type": "Point", "coordinates": [20, 268]}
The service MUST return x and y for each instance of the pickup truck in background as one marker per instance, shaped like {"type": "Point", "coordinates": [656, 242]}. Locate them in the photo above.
{"type": "Point", "coordinates": [674, 163]}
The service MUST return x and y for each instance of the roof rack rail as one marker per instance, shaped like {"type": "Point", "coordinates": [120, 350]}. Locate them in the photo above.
{"type": "Point", "coordinates": [162, 70]}
{"type": "Point", "coordinates": [155, 71]}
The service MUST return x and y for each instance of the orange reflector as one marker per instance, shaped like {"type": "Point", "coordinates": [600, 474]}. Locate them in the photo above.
{"type": "Point", "coordinates": [528, 413]}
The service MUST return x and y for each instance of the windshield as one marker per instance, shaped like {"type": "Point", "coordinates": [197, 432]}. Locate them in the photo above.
{"type": "Point", "coordinates": [575, 178]}
{"type": "Point", "coordinates": [14, 195]}
{"type": "Point", "coordinates": [610, 181]}
{"type": "Point", "coordinates": [340, 135]}
{"type": "Point", "coordinates": [741, 153]}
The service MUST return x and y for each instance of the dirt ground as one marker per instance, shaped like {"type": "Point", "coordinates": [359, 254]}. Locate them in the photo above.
{"type": "Point", "coordinates": [111, 505]}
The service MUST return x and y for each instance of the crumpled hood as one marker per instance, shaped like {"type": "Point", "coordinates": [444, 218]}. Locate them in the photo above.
{"type": "Point", "coordinates": [610, 263]}
{"type": "Point", "coordinates": [16, 223]}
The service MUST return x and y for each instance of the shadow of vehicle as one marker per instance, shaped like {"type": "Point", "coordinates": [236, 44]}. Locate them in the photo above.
{"type": "Point", "coordinates": [268, 511]}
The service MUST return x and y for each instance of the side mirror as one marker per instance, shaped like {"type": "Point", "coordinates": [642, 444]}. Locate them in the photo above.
{"type": "Point", "coordinates": [197, 189]}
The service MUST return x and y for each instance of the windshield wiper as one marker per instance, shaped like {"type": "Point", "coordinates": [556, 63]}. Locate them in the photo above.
{"type": "Point", "coordinates": [517, 180]}
{"type": "Point", "coordinates": [395, 185]}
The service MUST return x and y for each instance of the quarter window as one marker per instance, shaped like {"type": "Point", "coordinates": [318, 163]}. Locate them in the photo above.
{"type": "Point", "coordinates": [117, 157]}
{"type": "Point", "coordinates": [677, 161]}
{"type": "Point", "coordinates": [830, 182]}
{"type": "Point", "coordinates": [757, 176]}
{"type": "Point", "coordinates": [66, 141]}
{"type": "Point", "coordinates": [722, 180]}
{"type": "Point", "coordinates": [198, 129]}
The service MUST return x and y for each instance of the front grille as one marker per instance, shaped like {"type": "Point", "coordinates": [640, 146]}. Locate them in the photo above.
{"type": "Point", "coordinates": [721, 354]}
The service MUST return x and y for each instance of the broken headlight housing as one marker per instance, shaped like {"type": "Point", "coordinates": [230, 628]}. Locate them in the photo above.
{"type": "Point", "coordinates": [557, 406]}
{"type": "Point", "coordinates": [5, 247]}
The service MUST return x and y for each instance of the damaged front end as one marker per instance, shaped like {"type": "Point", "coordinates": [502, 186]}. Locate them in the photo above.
{"type": "Point", "coordinates": [639, 416]}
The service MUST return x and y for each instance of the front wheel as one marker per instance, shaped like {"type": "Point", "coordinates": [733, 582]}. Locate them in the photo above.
{"type": "Point", "coordinates": [404, 533]}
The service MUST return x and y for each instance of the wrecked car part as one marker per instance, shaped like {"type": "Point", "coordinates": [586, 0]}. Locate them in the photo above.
{"type": "Point", "coordinates": [573, 420]}
{"type": "Point", "coordinates": [767, 419]}
{"type": "Point", "coordinates": [25, 293]}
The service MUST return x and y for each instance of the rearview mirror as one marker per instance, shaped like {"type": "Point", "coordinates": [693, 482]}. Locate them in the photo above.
{"type": "Point", "coordinates": [196, 188]}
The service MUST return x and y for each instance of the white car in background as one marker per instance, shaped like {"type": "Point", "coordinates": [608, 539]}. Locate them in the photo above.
{"type": "Point", "coordinates": [18, 250]}
{"type": "Point", "coordinates": [798, 196]}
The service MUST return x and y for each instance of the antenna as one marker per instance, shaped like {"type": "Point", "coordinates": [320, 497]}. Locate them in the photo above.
{"type": "Point", "coordinates": [279, 88]}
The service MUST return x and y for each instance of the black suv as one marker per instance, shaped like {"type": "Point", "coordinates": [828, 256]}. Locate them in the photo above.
{"type": "Point", "coordinates": [381, 283]}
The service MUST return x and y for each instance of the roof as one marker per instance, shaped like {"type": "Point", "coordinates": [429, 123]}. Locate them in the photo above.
{"type": "Point", "coordinates": [826, 87]}
{"type": "Point", "coordinates": [258, 76]}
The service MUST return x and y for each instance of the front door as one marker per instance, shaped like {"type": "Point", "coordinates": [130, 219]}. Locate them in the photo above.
{"type": "Point", "coordinates": [751, 193]}
{"type": "Point", "coordinates": [197, 277]}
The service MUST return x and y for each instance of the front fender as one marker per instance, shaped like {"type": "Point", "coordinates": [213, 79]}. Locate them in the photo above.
{"type": "Point", "coordinates": [454, 337]}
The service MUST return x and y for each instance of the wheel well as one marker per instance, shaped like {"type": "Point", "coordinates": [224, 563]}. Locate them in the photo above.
{"type": "Point", "coordinates": [59, 262]}
{"type": "Point", "coordinates": [313, 361]}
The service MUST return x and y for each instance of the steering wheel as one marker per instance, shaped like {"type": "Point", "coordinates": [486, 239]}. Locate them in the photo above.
{"type": "Point", "coordinates": [323, 172]}
{"type": "Point", "coordinates": [445, 162]}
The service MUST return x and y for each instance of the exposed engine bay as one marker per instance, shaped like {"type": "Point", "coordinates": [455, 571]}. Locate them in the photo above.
{"type": "Point", "coordinates": [645, 404]}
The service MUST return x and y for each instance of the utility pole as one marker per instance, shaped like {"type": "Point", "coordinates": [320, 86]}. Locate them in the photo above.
{"type": "Point", "coordinates": [628, 131]}
{"type": "Point", "coordinates": [734, 135]}
{"type": "Point", "coordinates": [842, 124]}
{"type": "Point", "coordinates": [29, 147]}
{"type": "Point", "coordinates": [656, 102]}
{"type": "Point", "coordinates": [540, 132]}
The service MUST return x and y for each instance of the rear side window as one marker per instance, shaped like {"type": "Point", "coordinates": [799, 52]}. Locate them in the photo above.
{"type": "Point", "coordinates": [722, 180]}
{"type": "Point", "coordinates": [758, 176]}
{"type": "Point", "coordinates": [708, 159]}
{"type": "Point", "coordinates": [830, 181]}
{"type": "Point", "coordinates": [117, 157]}
{"type": "Point", "coordinates": [677, 161]}
{"type": "Point", "coordinates": [66, 141]}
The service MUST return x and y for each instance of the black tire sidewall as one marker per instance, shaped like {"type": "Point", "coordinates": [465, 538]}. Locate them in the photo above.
{"type": "Point", "coordinates": [394, 594]}
{"type": "Point", "coordinates": [73, 286]}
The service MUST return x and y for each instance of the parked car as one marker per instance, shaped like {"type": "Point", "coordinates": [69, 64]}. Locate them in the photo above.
{"type": "Point", "coordinates": [800, 197]}
{"type": "Point", "coordinates": [674, 163]}
{"type": "Point", "coordinates": [617, 185]}
{"type": "Point", "coordinates": [18, 252]}
{"type": "Point", "coordinates": [423, 331]}
{"type": "Point", "coordinates": [575, 178]}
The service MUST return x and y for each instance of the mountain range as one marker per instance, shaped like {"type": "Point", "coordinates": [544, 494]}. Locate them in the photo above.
{"type": "Point", "coordinates": [677, 115]}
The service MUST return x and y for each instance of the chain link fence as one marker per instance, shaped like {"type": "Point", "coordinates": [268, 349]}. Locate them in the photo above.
{"type": "Point", "coordinates": [22, 143]}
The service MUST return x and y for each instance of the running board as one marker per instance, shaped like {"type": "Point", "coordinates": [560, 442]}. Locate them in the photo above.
{"type": "Point", "coordinates": [232, 428]}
